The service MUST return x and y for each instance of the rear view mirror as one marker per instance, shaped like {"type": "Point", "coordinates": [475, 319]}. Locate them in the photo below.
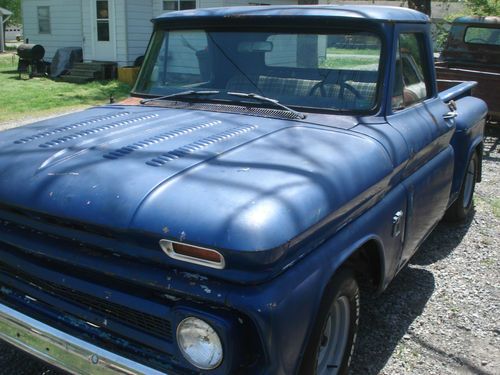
{"type": "Point", "coordinates": [255, 47]}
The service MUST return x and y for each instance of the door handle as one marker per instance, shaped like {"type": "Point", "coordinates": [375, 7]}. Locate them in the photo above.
{"type": "Point", "coordinates": [450, 115]}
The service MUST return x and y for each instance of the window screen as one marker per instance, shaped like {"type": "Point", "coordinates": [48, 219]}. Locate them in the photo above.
{"type": "Point", "coordinates": [43, 20]}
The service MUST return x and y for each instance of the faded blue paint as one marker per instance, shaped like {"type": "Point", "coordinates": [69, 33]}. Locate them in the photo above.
{"type": "Point", "coordinates": [85, 198]}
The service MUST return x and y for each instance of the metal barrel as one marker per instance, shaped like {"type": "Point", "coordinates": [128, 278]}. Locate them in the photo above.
{"type": "Point", "coordinates": [31, 52]}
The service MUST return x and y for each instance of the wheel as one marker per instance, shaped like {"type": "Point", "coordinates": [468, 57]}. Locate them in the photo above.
{"type": "Point", "coordinates": [461, 208]}
{"type": "Point", "coordinates": [332, 340]}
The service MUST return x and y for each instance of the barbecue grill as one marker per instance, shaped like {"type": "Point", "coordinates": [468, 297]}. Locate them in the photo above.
{"type": "Point", "coordinates": [31, 60]}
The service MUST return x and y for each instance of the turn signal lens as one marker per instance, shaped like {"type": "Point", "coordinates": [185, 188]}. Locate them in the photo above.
{"type": "Point", "coordinates": [193, 254]}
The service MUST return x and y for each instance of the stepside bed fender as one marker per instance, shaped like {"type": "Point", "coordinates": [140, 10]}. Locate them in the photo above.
{"type": "Point", "coordinates": [468, 138]}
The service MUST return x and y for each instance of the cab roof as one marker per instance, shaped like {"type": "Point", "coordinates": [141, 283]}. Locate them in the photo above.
{"type": "Point", "coordinates": [368, 12]}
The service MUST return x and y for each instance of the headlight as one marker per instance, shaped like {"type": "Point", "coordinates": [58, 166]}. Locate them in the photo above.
{"type": "Point", "coordinates": [199, 343]}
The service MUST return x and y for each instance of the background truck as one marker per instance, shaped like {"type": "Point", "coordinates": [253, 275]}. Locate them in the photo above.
{"type": "Point", "coordinates": [472, 53]}
{"type": "Point", "coordinates": [222, 219]}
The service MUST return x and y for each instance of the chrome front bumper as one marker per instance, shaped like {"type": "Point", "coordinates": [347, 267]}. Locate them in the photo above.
{"type": "Point", "coordinates": [62, 350]}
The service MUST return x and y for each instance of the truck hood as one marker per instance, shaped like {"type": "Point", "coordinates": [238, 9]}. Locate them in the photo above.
{"type": "Point", "coordinates": [227, 181]}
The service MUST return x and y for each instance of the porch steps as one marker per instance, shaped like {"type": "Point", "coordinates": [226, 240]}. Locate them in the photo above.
{"type": "Point", "coordinates": [90, 71]}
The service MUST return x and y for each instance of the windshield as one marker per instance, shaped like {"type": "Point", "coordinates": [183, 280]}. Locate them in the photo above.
{"type": "Point", "coordinates": [337, 71]}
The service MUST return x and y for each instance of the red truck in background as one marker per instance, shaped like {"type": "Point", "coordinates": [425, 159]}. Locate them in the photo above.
{"type": "Point", "coordinates": [472, 53]}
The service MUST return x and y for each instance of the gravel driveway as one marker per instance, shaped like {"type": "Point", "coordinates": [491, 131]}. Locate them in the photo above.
{"type": "Point", "coordinates": [439, 316]}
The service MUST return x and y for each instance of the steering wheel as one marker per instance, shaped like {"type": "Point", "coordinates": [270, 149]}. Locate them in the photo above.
{"type": "Point", "coordinates": [343, 85]}
{"type": "Point", "coordinates": [477, 40]}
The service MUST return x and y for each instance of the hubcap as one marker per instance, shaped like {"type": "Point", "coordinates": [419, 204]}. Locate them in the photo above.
{"type": "Point", "coordinates": [334, 338]}
{"type": "Point", "coordinates": [469, 184]}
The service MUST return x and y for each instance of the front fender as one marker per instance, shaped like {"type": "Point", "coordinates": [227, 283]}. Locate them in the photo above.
{"type": "Point", "coordinates": [284, 310]}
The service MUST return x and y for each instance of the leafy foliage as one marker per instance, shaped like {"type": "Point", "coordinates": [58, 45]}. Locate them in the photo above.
{"type": "Point", "coordinates": [484, 7]}
{"type": "Point", "coordinates": [15, 7]}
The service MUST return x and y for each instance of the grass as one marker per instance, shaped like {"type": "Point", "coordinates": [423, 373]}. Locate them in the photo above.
{"type": "Point", "coordinates": [38, 96]}
{"type": "Point", "coordinates": [495, 203]}
{"type": "Point", "coordinates": [342, 58]}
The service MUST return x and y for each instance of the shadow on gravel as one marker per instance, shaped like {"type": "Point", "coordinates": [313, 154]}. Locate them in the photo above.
{"type": "Point", "coordinates": [385, 320]}
{"type": "Point", "coordinates": [492, 143]}
{"type": "Point", "coordinates": [442, 241]}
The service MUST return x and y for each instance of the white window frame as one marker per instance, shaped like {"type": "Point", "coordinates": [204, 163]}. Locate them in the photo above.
{"type": "Point", "coordinates": [178, 4]}
{"type": "Point", "coordinates": [48, 19]}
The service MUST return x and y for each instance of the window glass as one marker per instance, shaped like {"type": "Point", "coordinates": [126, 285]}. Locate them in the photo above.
{"type": "Point", "coordinates": [410, 84]}
{"type": "Point", "coordinates": [102, 12]}
{"type": "Point", "coordinates": [348, 52]}
{"type": "Point", "coordinates": [331, 71]}
{"type": "Point", "coordinates": [43, 20]}
{"type": "Point", "coordinates": [180, 57]}
{"type": "Point", "coordinates": [171, 5]}
{"type": "Point", "coordinates": [482, 35]}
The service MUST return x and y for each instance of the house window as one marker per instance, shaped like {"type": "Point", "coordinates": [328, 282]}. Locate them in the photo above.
{"type": "Point", "coordinates": [102, 12]}
{"type": "Point", "coordinates": [44, 20]}
{"type": "Point", "coordinates": [171, 5]}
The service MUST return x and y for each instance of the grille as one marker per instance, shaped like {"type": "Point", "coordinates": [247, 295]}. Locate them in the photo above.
{"type": "Point", "coordinates": [251, 111]}
{"type": "Point", "coordinates": [161, 328]}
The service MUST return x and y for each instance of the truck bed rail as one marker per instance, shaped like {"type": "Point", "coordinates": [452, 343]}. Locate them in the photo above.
{"type": "Point", "coordinates": [456, 92]}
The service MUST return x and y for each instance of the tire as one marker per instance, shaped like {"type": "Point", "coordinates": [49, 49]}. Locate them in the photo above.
{"type": "Point", "coordinates": [462, 207]}
{"type": "Point", "coordinates": [332, 340]}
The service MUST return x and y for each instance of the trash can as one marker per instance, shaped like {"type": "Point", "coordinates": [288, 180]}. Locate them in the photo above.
{"type": "Point", "coordinates": [128, 74]}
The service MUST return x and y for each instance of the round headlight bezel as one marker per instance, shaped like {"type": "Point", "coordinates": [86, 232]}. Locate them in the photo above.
{"type": "Point", "coordinates": [186, 356]}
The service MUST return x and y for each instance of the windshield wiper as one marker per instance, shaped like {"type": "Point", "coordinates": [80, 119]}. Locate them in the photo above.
{"type": "Point", "coordinates": [267, 100]}
{"type": "Point", "coordinates": [181, 94]}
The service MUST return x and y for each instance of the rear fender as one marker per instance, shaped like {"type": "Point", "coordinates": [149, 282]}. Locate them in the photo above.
{"type": "Point", "coordinates": [468, 138]}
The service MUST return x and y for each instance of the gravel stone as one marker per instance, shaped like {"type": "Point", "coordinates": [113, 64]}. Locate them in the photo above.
{"type": "Point", "coordinates": [439, 316]}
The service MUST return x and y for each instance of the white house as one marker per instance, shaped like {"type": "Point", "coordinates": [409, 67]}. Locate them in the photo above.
{"type": "Point", "coordinates": [107, 30]}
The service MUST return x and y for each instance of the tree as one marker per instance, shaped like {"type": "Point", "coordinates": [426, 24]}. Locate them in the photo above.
{"type": "Point", "coordinates": [423, 6]}
{"type": "Point", "coordinates": [484, 7]}
{"type": "Point", "coordinates": [15, 7]}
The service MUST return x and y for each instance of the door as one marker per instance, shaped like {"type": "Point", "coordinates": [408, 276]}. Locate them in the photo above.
{"type": "Point", "coordinates": [424, 122]}
{"type": "Point", "coordinates": [104, 30]}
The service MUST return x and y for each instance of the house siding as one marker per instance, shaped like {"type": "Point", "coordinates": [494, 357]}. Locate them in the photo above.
{"type": "Point", "coordinates": [139, 27]}
{"type": "Point", "coordinates": [65, 24]}
{"type": "Point", "coordinates": [72, 23]}
{"type": "Point", "coordinates": [86, 15]}
{"type": "Point", "coordinates": [120, 25]}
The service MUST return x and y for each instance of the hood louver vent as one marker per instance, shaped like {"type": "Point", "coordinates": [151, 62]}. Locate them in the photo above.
{"type": "Point", "coordinates": [199, 145]}
{"type": "Point", "coordinates": [157, 139]}
{"type": "Point", "coordinates": [84, 133]}
{"type": "Point", "coordinates": [55, 131]}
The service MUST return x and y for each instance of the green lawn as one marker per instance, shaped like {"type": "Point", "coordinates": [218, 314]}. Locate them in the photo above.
{"type": "Point", "coordinates": [39, 96]}
{"type": "Point", "coordinates": [359, 59]}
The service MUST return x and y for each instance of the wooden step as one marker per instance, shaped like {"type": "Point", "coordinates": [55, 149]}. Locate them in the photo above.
{"type": "Point", "coordinates": [94, 74]}
{"type": "Point", "coordinates": [75, 78]}
{"type": "Point", "coordinates": [88, 66]}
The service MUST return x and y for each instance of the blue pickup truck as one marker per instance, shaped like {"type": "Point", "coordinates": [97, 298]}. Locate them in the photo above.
{"type": "Point", "coordinates": [269, 162]}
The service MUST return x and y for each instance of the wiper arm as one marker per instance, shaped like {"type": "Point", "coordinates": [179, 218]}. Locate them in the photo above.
{"type": "Point", "coordinates": [268, 100]}
{"type": "Point", "coordinates": [181, 94]}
